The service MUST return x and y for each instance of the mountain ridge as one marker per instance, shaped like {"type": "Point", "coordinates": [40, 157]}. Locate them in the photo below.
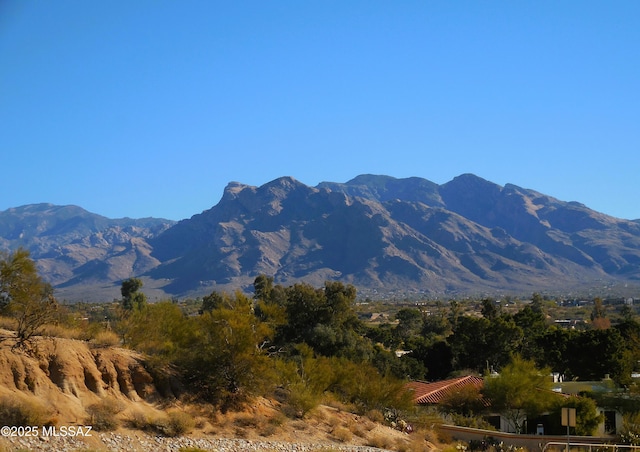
{"type": "Point", "coordinates": [377, 232]}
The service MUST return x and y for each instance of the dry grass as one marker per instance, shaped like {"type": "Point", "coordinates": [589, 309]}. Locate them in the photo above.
{"type": "Point", "coordinates": [8, 323]}
{"type": "Point", "coordinates": [105, 339]}
{"type": "Point", "coordinates": [342, 434]}
{"type": "Point", "coordinates": [138, 420]}
{"type": "Point", "coordinates": [443, 437]}
{"type": "Point", "coordinates": [103, 415]}
{"type": "Point", "coordinates": [334, 421]}
{"type": "Point", "coordinates": [375, 416]}
{"type": "Point", "coordinates": [247, 420]}
{"type": "Point", "coordinates": [415, 443]}
{"type": "Point", "coordinates": [380, 441]}
{"type": "Point", "coordinates": [175, 423]}
{"type": "Point", "coordinates": [62, 332]}
{"type": "Point", "coordinates": [18, 411]}
{"type": "Point", "coordinates": [360, 428]}
{"type": "Point", "coordinates": [300, 425]}
{"type": "Point", "coordinates": [262, 418]}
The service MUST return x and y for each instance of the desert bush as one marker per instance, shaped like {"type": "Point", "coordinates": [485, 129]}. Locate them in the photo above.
{"type": "Point", "coordinates": [375, 416]}
{"type": "Point", "coordinates": [320, 416]}
{"type": "Point", "coordinates": [300, 400]}
{"type": "Point", "coordinates": [307, 379]}
{"type": "Point", "coordinates": [25, 295]}
{"type": "Point", "coordinates": [103, 415]}
{"type": "Point", "coordinates": [630, 432]}
{"type": "Point", "coordinates": [268, 430]}
{"type": "Point", "coordinates": [53, 330]}
{"type": "Point", "coordinates": [300, 425]}
{"type": "Point", "coordinates": [278, 419]}
{"type": "Point", "coordinates": [458, 447]}
{"type": "Point", "coordinates": [105, 338]}
{"type": "Point", "coordinates": [92, 329]}
{"type": "Point", "coordinates": [380, 441]}
{"type": "Point", "coordinates": [138, 420]}
{"type": "Point", "coordinates": [176, 423]}
{"type": "Point", "coordinates": [342, 434]}
{"type": "Point", "coordinates": [425, 420]}
{"type": "Point", "coordinates": [160, 330]}
{"type": "Point", "coordinates": [413, 444]}
{"type": "Point", "coordinates": [334, 421]}
{"type": "Point", "coordinates": [429, 435]}
{"type": "Point", "coordinates": [180, 422]}
{"type": "Point", "coordinates": [359, 428]}
{"type": "Point", "coordinates": [471, 422]}
{"type": "Point", "coordinates": [225, 362]}
{"type": "Point", "coordinates": [19, 411]}
{"type": "Point", "coordinates": [443, 436]}
{"type": "Point", "coordinates": [240, 432]}
{"type": "Point", "coordinates": [330, 400]}
{"type": "Point", "coordinates": [248, 420]}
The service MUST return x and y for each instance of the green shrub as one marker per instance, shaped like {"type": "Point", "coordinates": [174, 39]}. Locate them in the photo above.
{"type": "Point", "coordinates": [471, 422]}
{"type": "Point", "coordinates": [301, 400]}
{"type": "Point", "coordinates": [630, 432]}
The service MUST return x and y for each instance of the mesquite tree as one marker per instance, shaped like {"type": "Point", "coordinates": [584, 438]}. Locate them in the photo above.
{"type": "Point", "coordinates": [24, 295]}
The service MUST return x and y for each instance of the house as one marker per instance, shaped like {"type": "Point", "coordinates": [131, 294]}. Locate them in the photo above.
{"type": "Point", "coordinates": [434, 393]}
{"type": "Point", "coordinates": [612, 417]}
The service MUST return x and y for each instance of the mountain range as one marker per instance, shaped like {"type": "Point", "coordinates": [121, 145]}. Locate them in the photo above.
{"type": "Point", "coordinates": [384, 235]}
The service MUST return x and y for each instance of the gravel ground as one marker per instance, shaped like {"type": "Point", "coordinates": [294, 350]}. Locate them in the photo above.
{"type": "Point", "coordinates": [128, 443]}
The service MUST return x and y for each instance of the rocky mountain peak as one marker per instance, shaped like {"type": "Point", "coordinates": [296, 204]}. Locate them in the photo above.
{"type": "Point", "coordinates": [380, 233]}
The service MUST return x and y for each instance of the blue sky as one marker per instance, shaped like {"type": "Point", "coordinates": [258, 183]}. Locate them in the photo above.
{"type": "Point", "coordinates": [149, 108]}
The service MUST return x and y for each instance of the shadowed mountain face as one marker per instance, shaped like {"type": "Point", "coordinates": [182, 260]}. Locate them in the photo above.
{"type": "Point", "coordinates": [82, 254]}
{"type": "Point", "coordinates": [376, 232]}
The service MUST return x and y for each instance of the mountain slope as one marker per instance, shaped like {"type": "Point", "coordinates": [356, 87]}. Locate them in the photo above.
{"type": "Point", "coordinates": [376, 232]}
{"type": "Point", "coordinates": [384, 233]}
{"type": "Point", "coordinates": [78, 249]}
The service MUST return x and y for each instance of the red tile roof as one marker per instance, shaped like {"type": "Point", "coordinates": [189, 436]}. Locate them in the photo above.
{"type": "Point", "coordinates": [433, 393]}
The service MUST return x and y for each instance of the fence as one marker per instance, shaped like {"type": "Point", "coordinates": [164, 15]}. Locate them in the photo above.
{"type": "Point", "coordinates": [537, 443]}
{"type": "Point", "coordinates": [602, 447]}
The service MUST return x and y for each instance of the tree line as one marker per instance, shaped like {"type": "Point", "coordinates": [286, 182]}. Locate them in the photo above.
{"type": "Point", "coordinates": [443, 342]}
{"type": "Point", "coordinates": [299, 344]}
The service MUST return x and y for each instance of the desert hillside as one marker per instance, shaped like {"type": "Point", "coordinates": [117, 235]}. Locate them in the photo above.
{"type": "Point", "coordinates": [62, 386]}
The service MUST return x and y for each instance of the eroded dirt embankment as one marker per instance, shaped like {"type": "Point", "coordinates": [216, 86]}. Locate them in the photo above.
{"type": "Point", "coordinates": [66, 376]}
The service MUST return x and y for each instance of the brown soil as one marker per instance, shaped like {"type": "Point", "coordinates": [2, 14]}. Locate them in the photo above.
{"type": "Point", "coordinates": [63, 378]}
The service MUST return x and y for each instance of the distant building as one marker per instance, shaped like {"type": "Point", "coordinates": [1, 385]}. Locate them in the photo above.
{"type": "Point", "coordinates": [433, 393]}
